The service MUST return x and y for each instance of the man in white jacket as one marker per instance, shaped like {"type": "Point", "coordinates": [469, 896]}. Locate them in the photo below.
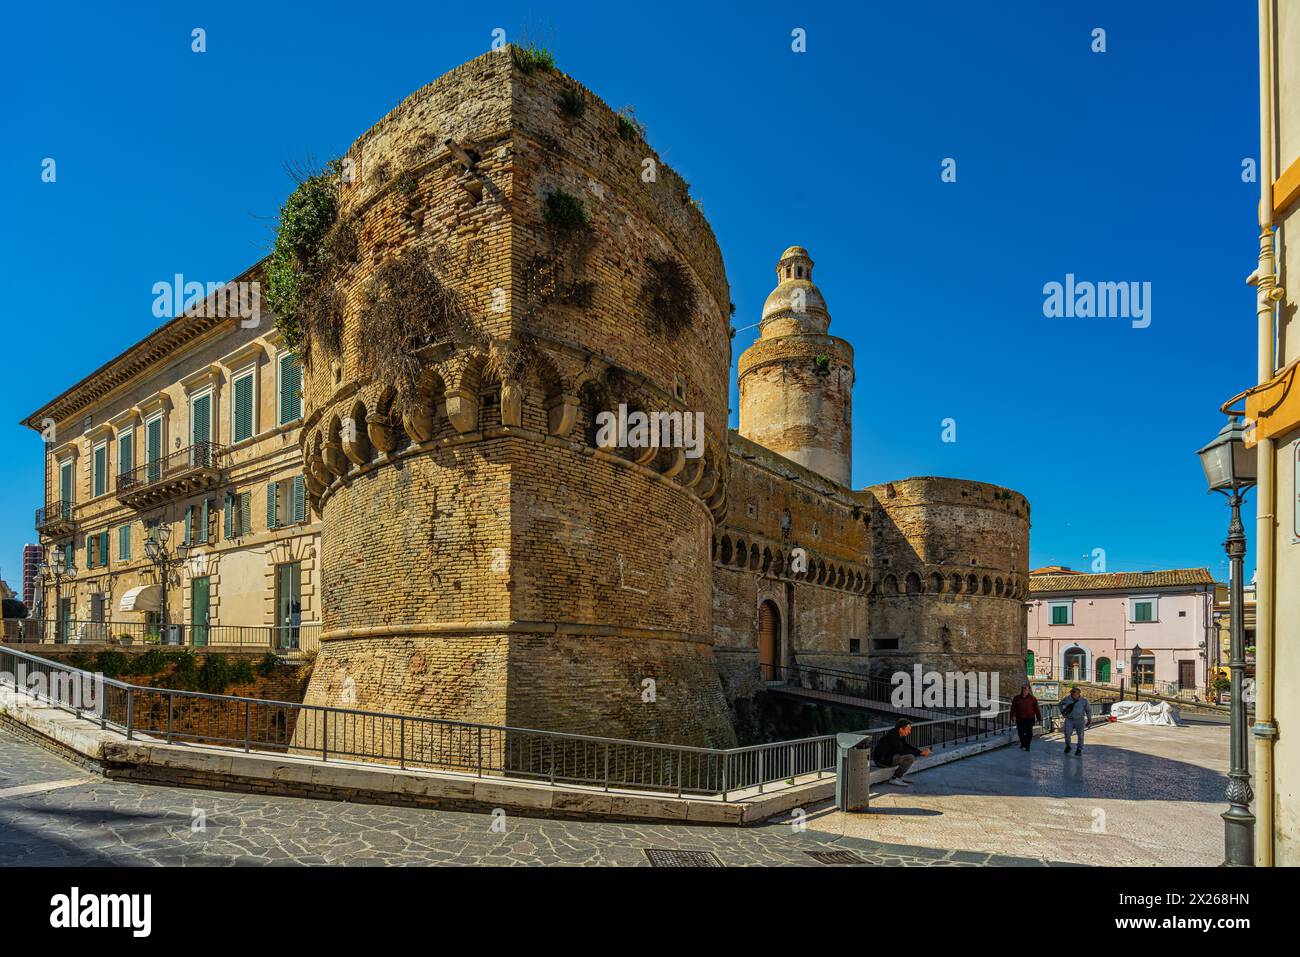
{"type": "Point", "coordinates": [1075, 715]}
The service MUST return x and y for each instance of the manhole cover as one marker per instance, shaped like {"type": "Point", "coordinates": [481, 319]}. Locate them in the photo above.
{"type": "Point", "coordinates": [662, 858]}
{"type": "Point", "coordinates": [835, 857]}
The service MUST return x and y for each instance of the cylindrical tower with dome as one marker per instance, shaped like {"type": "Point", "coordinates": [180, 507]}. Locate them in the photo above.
{"type": "Point", "coordinates": [796, 380]}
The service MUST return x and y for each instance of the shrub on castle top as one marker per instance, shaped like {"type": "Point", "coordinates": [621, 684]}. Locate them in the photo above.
{"type": "Point", "coordinates": [531, 57]}
{"type": "Point", "coordinates": [298, 265]}
{"type": "Point", "coordinates": [629, 127]}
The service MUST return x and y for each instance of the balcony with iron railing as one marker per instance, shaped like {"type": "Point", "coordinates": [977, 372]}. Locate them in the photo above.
{"type": "Point", "coordinates": [196, 468]}
{"type": "Point", "coordinates": [56, 519]}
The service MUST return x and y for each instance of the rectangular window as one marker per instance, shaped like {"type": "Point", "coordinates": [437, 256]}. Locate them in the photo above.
{"type": "Point", "coordinates": [65, 481]}
{"type": "Point", "coordinates": [153, 448]}
{"type": "Point", "coordinates": [855, 645]}
{"type": "Point", "coordinates": [196, 523]}
{"type": "Point", "coordinates": [241, 425]}
{"type": "Point", "coordinates": [201, 419]}
{"type": "Point", "coordinates": [884, 644]}
{"type": "Point", "coordinates": [124, 543]}
{"type": "Point", "coordinates": [100, 468]}
{"type": "Point", "coordinates": [125, 452]}
{"type": "Point", "coordinates": [290, 388]}
{"type": "Point", "coordinates": [238, 514]}
{"type": "Point", "coordinates": [1062, 613]}
{"type": "Point", "coordinates": [286, 502]}
{"type": "Point", "coordinates": [1144, 609]}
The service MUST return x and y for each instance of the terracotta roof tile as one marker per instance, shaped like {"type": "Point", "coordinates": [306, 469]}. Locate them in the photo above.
{"type": "Point", "coordinates": [1124, 580]}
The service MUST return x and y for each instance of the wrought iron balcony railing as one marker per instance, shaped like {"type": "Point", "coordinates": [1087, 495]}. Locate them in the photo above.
{"type": "Point", "coordinates": [55, 518]}
{"type": "Point", "coordinates": [187, 470]}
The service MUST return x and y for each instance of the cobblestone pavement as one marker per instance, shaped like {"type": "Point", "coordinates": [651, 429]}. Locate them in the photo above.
{"type": "Point", "coordinates": [1137, 796]}
{"type": "Point", "coordinates": [53, 812]}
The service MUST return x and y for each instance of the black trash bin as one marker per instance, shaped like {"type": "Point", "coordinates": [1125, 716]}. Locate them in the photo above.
{"type": "Point", "coordinates": [853, 771]}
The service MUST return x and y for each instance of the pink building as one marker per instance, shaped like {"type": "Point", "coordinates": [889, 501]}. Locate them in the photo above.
{"type": "Point", "coordinates": [1154, 629]}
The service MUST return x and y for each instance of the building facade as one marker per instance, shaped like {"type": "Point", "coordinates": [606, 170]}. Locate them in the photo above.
{"type": "Point", "coordinates": [33, 555]}
{"type": "Point", "coordinates": [1153, 630]}
{"type": "Point", "coordinates": [195, 429]}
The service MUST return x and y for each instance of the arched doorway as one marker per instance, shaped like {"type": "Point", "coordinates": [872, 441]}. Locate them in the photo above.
{"type": "Point", "coordinates": [1103, 671]}
{"type": "Point", "coordinates": [769, 641]}
{"type": "Point", "coordinates": [1075, 665]}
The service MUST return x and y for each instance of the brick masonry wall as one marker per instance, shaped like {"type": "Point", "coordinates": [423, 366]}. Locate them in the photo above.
{"type": "Point", "coordinates": [536, 578]}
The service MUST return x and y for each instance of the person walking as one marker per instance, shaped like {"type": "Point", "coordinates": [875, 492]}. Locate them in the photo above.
{"type": "Point", "coordinates": [1076, 712]}
{"type": "Point", "coordinates": [1024, 711]}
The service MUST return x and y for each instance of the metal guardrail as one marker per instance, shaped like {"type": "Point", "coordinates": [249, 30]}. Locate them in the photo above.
{"type": "Point", "coordinates": [436, 744]}
{"type": "Point", "coordinates": [851, 688]}
{"type": "Point", "coordinates": [284, 639]}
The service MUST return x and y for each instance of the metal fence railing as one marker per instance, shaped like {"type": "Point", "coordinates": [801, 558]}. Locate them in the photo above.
{"type": "Point", "coordinates": [284, 639]}
{"type": "Point", "coordinates": [437, 744]}
{"type": "Point", "coordinates": [853, 689]}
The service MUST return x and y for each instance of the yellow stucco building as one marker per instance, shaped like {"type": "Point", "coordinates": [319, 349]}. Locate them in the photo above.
{"type": "Point", "coordinates": [194, 429]}
{"type": "Point", "coordinates": [1273, 415]}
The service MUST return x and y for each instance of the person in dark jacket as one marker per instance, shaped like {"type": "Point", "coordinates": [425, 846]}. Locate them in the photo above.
{"type": "Point", "coordinates": [892, 751]}
{"type": "Point", "coordinates": [1024, 711]}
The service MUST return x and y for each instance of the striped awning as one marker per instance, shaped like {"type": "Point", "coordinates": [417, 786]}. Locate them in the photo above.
{"type": "Point", "coordinates": [142, 598]}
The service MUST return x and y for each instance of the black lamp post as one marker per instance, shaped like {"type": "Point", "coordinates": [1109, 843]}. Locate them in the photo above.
{"type": "Point", "coordinates": [56, 575]}
{"type": "Point", "coordinates": [155, 547]}
{"type": "Point", "coordinates": [1230, 469]}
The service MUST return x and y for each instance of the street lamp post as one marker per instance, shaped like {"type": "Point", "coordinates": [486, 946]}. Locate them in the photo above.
{"type": "Point", "coordinates": [1230, 469]}
{"type": "Point", "coordinates": [55, 575]}
{"type": "Point", "coordinates": [155, 547]}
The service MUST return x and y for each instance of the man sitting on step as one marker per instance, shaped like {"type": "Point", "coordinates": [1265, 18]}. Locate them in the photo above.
{"type": "Point", "coordinates": [891, 751]}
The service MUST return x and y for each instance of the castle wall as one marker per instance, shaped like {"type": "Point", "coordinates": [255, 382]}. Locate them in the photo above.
{"type": "Point", "coordinates": [543, 581]}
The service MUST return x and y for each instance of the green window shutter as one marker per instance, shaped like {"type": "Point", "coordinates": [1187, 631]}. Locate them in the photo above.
{"type": "Point", "coordinates": [290, 388]}
{"type": "Point", "coordinates": [125, 453]}
{"type": "Point", "coordinates": [124, 543]}
{"type": "Point", "coordinates": [271, 505]}
{"type": "Point", "coordinates": [65, 482]}
{"type": "Point", "coordinates": [229, 511]}
{"type": "Point", "coordinates": [101, 469]}
{"type": "Point", "coordinates": [189, 524]}
{"type": "Point", "coordinates": [69, 554]}
{"type": "Point", "coordinates": [103, 548]}
{"type": "Point", "coordinates": [90, 551]}
{"type": "Point", "coordinates": [243, 427]}
{"type": "Point", "coordinates": [201, 420]}
{"type": "Point", "coordinates": [154, 440]}
{"type": "Point", "coordinates": [299, 499]}
{"type": "Point", "coordinates": [245, 512]}
{"type": "Point", "coordinates": [206, 512]}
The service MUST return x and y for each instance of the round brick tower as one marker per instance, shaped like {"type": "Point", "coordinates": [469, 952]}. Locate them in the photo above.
{"type": "Point", "coordinates": [950, 577]}
{"type": "Point", "coordinates": [796, 381]}
{"type": "Point", "coordinates": [487, 555]}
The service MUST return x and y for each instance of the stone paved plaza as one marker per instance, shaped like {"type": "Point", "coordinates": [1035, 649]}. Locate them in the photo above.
{"type": "Point", "coordinates": [1136, 796]}
{"type": "Point", "coordinates": [1036, 809]}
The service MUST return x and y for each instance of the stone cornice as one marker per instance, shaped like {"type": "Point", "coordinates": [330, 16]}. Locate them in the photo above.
{"type": "Point", "coordinates": [159, 347]}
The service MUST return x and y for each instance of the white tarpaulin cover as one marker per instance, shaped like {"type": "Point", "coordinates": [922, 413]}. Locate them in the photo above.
{"type": "Point", "coordinates": [1146, 712]}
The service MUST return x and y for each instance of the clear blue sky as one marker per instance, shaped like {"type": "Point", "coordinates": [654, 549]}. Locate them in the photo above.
{"type": "Point", "coordinates": [1117, 166]}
